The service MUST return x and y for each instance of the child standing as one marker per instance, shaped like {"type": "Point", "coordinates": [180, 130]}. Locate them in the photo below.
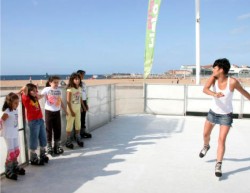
{"type": "Point", "coordinates": [83, 132]}
{"type": "Point", "coordinates": [30, 99]}
{"type": "Point", "coordinates": [9, 124]}
{"type": "Point", "coordinates": [53, 104]}
{"type": "Point", "coordinates": [74, 103]}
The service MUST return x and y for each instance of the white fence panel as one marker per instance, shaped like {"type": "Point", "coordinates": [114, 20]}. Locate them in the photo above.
{"type": "Point", "coordinates": [198, 105]}
{"type": "Point", "coordinates": [165, 91]}
{"type": "Point", "coordinates": [129, 99]}
{"type": "Point", "coordinates": [246, 104]}
{"type": "Point", "coordinates": [196, 91]}
{"type": "Point", "coordinates": [165, 99]}
{"type": "Point", "coordinates": [168, 107]}
{"type": "Point", "coordinates": [99, 101]}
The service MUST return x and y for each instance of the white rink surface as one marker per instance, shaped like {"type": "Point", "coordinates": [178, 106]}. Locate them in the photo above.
{"type": "Point", "coordinates": [144, 154]}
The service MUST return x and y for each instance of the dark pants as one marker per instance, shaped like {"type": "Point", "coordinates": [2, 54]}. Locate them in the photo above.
{"type": "Point", "coordinates": [83, 118]}
{"type": "Point", "coordinates": [53, 123]}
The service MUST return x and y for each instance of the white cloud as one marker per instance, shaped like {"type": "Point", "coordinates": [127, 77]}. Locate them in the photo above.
{"type": "Point", "coordinates": [244, 16]}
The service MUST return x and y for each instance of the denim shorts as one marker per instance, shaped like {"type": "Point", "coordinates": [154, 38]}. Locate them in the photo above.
{"type": "Point", "coordinates": [37, 134]}
{"type": "Point", "coordinates": [221, 119]}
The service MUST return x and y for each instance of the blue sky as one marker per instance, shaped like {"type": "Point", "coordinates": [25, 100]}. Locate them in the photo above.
{"type": "Point", "coordinates": [108, 36]}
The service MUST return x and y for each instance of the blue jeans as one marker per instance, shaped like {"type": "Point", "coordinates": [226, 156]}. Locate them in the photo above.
{"type": "Point", "coordinates": [221, 119]}
{"type": "Point", "coordinates": [37, 133]}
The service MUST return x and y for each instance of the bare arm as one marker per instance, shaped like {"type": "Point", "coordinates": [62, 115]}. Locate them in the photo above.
{"type": "Point", "coordinates": [39, 96]}
{"type": "Point", "coordinates": [23, 90]}
{"type": "Point", "coordinates": [238, 87]}
{"type": "Point", "coordinates": [83, 106]}
{"type": "Point", "coordinates": [207, 86]}
{"type": "Point", "coordinates": [3, 118]}
{"type": "Point", "coordinates": [64, 108]}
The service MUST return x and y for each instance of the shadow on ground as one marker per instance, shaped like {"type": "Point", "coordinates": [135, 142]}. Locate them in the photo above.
{"type": "Point", "coordinates": [227, 174]}
{"type": "Point", "coordinates": [68, 172]}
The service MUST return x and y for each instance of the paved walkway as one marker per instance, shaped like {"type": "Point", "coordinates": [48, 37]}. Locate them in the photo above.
{"type": "Point", "coordinates": [144, 154]}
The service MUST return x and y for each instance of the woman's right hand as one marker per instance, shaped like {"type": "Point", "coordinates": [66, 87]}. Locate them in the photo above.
{"type": "Point", "coordinates": [219, 94]}
{"type": "Point", "coordinates": [73, 114]}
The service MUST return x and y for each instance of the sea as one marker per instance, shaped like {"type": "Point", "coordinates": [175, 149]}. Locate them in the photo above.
{"type": "Point", "coordinates": [45, 77]}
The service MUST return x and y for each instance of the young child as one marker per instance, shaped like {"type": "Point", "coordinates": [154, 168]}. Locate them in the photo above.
{"type": "Point", "coordinates": [34, 114]}
{"type": "Point", "coordinates": [83, 132]}
{"type": "Point", "coordinates": [53, 104]}
{"type": "Point", "coordinates": [9, 124]}
{"type": "Point", "coordinates": [74, 103]}
{"type": "Point", "coordinates": [221, 111]}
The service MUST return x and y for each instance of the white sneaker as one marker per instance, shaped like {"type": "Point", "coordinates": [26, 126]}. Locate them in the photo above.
{"type": "Point", "coordinates": [218, 171]}
{"type": "Point", "coordinates": [204, 151]}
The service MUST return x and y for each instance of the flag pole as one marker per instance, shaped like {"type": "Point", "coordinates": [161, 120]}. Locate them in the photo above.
{"type": "Point", "coordinates": [197, 19]}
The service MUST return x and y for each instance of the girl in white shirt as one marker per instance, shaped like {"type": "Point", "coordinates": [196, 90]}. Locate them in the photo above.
{"type": "Point", "coordinates": [53, 105]}
{"type": "Point", "coordinates": [9, 124]}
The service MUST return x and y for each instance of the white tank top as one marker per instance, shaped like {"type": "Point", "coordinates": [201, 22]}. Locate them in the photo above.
{"type": "Point", "coordinates": [222, 105]}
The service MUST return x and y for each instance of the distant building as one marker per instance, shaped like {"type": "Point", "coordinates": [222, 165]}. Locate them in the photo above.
{"type": "Point", "coordinates": [179, 73]}
{"type": "Point", "coordinates": [207, 70]}
{"type": "Point", "coordinates": [188, 67]}
{"type": "Point", "coordinates": [239, 71]}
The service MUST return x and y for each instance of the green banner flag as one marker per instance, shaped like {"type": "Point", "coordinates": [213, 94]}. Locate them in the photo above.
{"type": "Point", "coordinates": [153, 11]}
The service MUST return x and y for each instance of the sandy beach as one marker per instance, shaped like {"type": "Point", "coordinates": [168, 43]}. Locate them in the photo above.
{"type": "Point", "coordinates": [90, 82]}
{"type": "Point", "coordinates": [19, 83]}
